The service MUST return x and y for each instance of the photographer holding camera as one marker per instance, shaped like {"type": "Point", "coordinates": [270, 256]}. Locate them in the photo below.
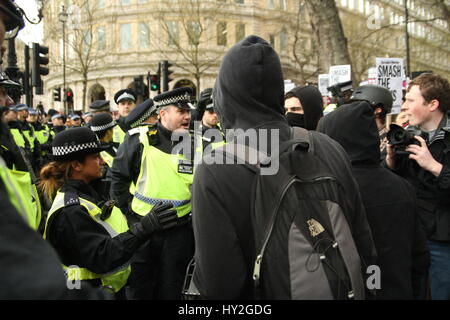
{"type": "Point", "coordinates": [427, 167]}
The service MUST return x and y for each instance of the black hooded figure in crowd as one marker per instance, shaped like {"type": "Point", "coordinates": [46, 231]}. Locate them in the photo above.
{"type": "Point", "coordinates": [304, 107]}
{"type": "Point", "coordinates": [389, 200]}
{"type": "Point", "coordinates": [249, 94]}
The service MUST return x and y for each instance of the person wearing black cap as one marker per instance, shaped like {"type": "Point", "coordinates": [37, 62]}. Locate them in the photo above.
{"type": "Point", "coordinates": [75, 120]}
{"type": "Point", "coordinates": [99, 106]}
{"type": "Point", "coordinates": [304, 107]}
{"type": "Point", "coordinates": [31, 143]}
{"type": "Point", "coordinates": [87, 117]}
{"type": "Point", "coordinates": [145, 158]}
{"type": "Point", "coordinates": [103, 125]}
{"type": "Point", "coordinates": [57, 124]}
{"type": "Point", "coordinates": [126, 102]}
{"type": "Point", "coordinates": [208, 117]}
{"type": "Point", "coordinates": [90, 235]}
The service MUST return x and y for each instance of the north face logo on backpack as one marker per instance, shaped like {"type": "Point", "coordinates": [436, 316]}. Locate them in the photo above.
{"type": "Point", "coordinates": [315, 228]}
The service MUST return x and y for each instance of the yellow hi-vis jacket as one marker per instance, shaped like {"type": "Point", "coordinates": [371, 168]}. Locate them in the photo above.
{"type": "Point", "coordinates": [162, 177]}
{"type": "Point", "coordinates": [114, 224]}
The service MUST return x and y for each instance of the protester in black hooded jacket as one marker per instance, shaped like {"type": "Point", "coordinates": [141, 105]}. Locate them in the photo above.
{"type": "Point", "coordinates": [248, 94]}
{"type": "Point", "coordinates": [304, 107]}
{"type": "Point", "coordinates": [389, 200]}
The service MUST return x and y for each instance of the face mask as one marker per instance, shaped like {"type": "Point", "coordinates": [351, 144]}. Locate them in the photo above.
{"type": "Point", "coordinates": [295, 119]}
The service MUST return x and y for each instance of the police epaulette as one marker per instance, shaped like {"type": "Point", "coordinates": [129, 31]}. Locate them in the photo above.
{"type": "Point", "coordinates": [133, 131]}
{"type": "Point", "coordinates": [70, 199]}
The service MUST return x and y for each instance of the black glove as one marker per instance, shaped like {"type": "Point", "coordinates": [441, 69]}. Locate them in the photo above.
{"type": "Point", "coordinates": [205, 99]}
{"type": "Point", "coordinates": [161, 217]}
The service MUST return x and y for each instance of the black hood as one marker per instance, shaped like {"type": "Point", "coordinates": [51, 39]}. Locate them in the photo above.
{"type": "Point", "coordinates": [312, 103]}
{"type": "Point", "coordinates": [249, 90]}
{"type": "Point", "coordinates": [353, 126]}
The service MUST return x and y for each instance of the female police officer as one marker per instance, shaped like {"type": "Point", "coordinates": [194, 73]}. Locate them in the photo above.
{"type": "Point", "coordinates": [90, 235]}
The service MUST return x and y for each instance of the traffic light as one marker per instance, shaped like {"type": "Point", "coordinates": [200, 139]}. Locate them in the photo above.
{"type": "Point", "coordinates": [57, 94]}
{"type": "Point", "coordinates": [39, 60]}
{"type": "Point", "coordinates": [154, 82]}
{"type": "Point", "coordinates": [166, 72]}
{"type": "Point", "coordinates": [139, 85]}
{"type": "Point", "coordinates": [69, 96]}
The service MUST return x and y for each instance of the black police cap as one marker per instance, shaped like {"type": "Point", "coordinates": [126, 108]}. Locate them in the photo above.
{"type": "Point", "coordinates": [139, 114]}
{"type": "Point", "coordinates": [101, 122]}
{"type": "Point", "coordinates": [99, 106]}
{"type": "Point", "coordinates": [180, 97]}
{"type": "Point", "coordinates": [75, 143]}
{"type": "Point", "coordinates": [124, 94]}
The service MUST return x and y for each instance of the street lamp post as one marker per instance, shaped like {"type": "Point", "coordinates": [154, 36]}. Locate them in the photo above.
{"type": "Point", "coordinates": [408, 56]}
{"type": "Point", "coordinates": [63, 18]}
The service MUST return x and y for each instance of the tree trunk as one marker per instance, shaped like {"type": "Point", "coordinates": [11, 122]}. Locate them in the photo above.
{"type": "Point", "coordinates": [85, 80]}
{"type": "Point", "coordinates": [329, 34]}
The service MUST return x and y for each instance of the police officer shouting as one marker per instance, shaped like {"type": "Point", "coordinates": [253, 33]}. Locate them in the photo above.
{"type": "Point", "coordinates": [158, 269]}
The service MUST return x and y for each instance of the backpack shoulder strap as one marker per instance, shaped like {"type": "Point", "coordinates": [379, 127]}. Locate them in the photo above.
{"type": "Point", "coordinates": [304, 136]}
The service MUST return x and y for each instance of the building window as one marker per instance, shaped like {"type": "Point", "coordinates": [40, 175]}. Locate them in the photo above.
{"type": "Point", "coordinates": [240, 31]}
{"type": "Point", "coordinates": [100, 4]}
{"type": "Point", "coordinates": [173, 32]}
{"type": "Point", "coordinates": [283, 40]}
{"type": "Point", "coordinates": [87, 41]}
{"type": "Point", "coordinates": [101, 38]}
{"type": "Point", "coordinates": [70, 46]}
{"type": "Point", "coordinates": [271, 4]}
{"type": "Point", "coordinates": [125, 36]}
{"type": "Point", "coordinates": [125, 2]}
{"type": "Point", "coordinates": [143, 1]}
{"type": "Point", "coordinates": [222, 34]}
{"type": "Point", "coordinates": [193, 33]}
{"type": "Point", "coordinates": [283, 4]}
{"type": "Point", "coordinates": [144, 35]}
{"type": "Point", "coordinates": [239, 1]}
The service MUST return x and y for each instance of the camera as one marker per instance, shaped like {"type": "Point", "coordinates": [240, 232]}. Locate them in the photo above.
{"type": "Point", "coordinates": [400, 138]}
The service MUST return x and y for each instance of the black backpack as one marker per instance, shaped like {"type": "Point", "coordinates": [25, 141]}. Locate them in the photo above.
{"type": "Point", "coordinates": [305, 249]}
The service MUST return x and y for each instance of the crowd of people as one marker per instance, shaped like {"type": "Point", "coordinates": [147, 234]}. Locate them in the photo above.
{"type": "Point", "coordinates": [99, 205]}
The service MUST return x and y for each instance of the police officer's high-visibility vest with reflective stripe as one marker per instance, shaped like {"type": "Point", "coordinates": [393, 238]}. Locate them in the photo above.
{"type": "Point", "coordinates": [22, 194]}
{"type": "Point", "coordinates": [107, 158]}
{"type": "Point", "coordinates": [43, 134]}
{"type": "Point", "coordinates": [29, 135]}
{"type": "Point", "coordinates": [159, 180]}
{"type": "Point", "coordinates": [19, 139]}
{"type": "Point", "coordinates": [114, 224]}
{"type": "Point", "coordinates": [118, 134]}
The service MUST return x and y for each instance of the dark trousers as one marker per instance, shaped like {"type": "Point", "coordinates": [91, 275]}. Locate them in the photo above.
{"type": "Point", "coordinates": [158, 268]}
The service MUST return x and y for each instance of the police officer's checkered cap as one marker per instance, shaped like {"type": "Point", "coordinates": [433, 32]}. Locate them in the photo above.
{"type": "Point", "coordinates": [179, 95]}
{"type": "Point", "coordinates": [101, 122]}
{"type": "Point", "coordinates": [142, 112]}
{"type": "Point", "coordinates": [73, 143]}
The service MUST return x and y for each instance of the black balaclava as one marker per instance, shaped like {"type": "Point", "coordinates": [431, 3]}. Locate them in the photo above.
{"type": "Point", "coordinates": [296, 119]}
{"type": "Point", "coordinates": [353, 126]}
{"type": "Point", "coordinates": [312, 103]}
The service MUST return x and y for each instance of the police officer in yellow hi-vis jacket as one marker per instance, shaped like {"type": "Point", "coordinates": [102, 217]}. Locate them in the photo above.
{"type": "Point", "coordinates": [103, 125]}
{"type": "Point", "coordinates": [91, 236]}
{"type": "Point", "coordinates": [126, 102]}
{"type": "Point", "coordinates": [146, 157]}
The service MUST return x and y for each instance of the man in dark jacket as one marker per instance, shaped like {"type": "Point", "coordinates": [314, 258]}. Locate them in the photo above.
{"type": "Point", "coordinates": [389, 200]}
{"type": "Point", "coordinates": [427, 167]}
{"type": "Point", "coordinates": [249, 95]}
